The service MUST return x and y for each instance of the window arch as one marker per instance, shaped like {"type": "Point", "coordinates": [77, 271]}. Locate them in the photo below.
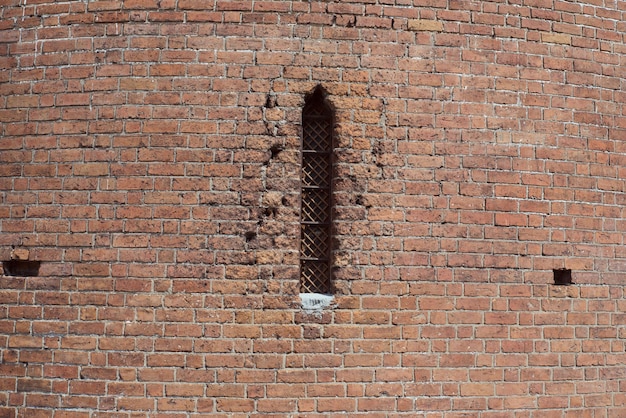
{"type": "Point", "coordinates": [316, 195]}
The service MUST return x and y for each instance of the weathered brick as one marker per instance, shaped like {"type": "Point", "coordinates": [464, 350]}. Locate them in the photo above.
{"type": "Point", "coordinates": [425, 25]}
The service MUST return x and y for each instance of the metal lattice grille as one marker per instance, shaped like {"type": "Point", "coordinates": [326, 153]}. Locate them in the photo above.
{"type": "Point", "coordinates": [316, 134]}
{"type": "Point", "coordinates": [315, 277]}
{"type": "Point", "coordinates": [315, 170]}
{"type": "Point", "coordinates": [315, 234]}
{"type": "Point", "coordinates": [315, 241]}
{"type": "Point", "coordinates": [315, 206]}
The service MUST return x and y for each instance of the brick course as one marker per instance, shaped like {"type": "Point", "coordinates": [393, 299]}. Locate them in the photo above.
{"type": "Point", "coordinates": [149, 159]}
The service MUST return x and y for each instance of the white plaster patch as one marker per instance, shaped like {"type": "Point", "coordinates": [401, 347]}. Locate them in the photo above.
{"type": "Point", "coordinates": [315, 302]}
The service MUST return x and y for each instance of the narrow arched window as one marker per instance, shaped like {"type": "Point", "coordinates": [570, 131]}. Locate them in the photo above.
{"type": "Point", "coordinates": [316, 206]}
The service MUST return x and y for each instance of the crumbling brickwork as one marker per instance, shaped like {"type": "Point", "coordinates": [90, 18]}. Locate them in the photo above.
{"type": "Point", "coordinates": [150, 165]}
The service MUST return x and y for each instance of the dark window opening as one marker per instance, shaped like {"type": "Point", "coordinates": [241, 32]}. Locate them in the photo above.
{"type": "Point", "coordinates": [562, 277]}
{"type": "Point", "coordinates": [21, 268]}
{"type": "Point", "coordinates": [316, 195]}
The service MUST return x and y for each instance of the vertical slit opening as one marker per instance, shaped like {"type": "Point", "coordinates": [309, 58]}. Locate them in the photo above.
{"type": "Point", "coordinates": [316, 195]}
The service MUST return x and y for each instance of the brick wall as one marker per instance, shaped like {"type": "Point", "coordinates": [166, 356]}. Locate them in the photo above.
{"type": "Point", "coordinates": [149, 162]}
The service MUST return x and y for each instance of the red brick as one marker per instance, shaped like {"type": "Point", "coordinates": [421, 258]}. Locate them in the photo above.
{"type": "Point", "coordinates": [161, 194]}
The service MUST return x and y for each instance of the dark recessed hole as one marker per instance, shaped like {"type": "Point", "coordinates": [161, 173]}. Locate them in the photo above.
{"type": "Point", "coordinates": [270, 101]}
{"type": "Point", "coordinates": [270, 212]}
{"type": "Point", "coordinates": [21, 268]}
{"type": "Point", "coordinates": [562, 277]}
{"type": "Point", "coordinates": [275, 150]}
{"type": "Point", "coordinates": [250, 235]}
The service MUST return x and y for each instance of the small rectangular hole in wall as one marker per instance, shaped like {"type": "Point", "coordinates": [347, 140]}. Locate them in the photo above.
{"type": "Point", "coordinates": [21, 268]}
{"type": "Point", "coordinates": [562, 277]}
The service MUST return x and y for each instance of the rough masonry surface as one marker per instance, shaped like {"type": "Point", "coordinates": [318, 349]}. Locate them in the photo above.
{"type": "Point", "coordinates": [150, 191]}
